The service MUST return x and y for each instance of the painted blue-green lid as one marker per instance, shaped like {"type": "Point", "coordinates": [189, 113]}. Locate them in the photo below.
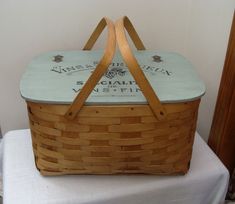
{"type": "Point", "coordinates": [57, 77]}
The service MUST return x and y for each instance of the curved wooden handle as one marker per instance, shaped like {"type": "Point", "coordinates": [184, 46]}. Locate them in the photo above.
{"type": "Point", "coordinates": [133, 65]}
{"type": "Point", "coordinates": [132, 33]}
{"type": "Point", "coordinates": [103, 65]}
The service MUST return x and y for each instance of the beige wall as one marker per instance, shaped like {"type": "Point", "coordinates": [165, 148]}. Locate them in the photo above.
{"type": "Point", "coordinates": [198, 29]}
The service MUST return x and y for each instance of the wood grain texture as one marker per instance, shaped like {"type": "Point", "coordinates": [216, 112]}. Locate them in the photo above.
{"type": "Point", "coordinates": [132, 140]}
{"type": "Point", "coordinates": [222, 134]}
{"type": "Point", "coordinates": [134, 67]}
{"type": "Point", "coordinates": [100, 68]}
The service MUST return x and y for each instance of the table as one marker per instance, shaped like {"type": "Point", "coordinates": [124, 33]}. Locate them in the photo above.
{"type": "Point", "coordinates": [205, 183]}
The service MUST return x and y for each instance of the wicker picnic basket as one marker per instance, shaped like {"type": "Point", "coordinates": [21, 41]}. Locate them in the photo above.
{"type": "Point", "coordinates": [80, 138]}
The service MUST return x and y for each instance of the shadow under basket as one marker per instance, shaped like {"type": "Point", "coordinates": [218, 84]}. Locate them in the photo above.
{"type": "Point", "coordinates": [113, 139]}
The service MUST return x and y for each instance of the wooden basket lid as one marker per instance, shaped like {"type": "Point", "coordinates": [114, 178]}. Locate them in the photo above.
{"type": "Point", "coordinates": [57, 77]}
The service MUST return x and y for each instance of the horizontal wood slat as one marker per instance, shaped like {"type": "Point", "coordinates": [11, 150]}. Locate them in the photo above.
{"type": "Point", "coordinates": [70, 127]}
{"type": "Point", "coordinates": [132, 127]}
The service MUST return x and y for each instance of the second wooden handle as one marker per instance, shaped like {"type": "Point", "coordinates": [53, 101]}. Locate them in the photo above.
{"type": "Point", "coordinates": [133, 65]}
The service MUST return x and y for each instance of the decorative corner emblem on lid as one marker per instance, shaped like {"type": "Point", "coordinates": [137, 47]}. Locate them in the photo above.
{"type": "Point", "coordinates": [58, 58]}
{"type": "Point", "coordinates": [157, 58]}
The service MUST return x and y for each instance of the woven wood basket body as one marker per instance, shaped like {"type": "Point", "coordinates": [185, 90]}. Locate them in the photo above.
{"type": "Point", "coordinates": [152, 138]}
{"type": "Point", "coordinates": [115, 139]}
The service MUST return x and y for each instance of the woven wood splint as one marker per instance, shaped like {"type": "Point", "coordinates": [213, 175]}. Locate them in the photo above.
{"type": "Point", "coordinates": [79, 138]}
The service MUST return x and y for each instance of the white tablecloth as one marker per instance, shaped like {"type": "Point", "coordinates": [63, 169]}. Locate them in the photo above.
{"type": "Point", "coordinates": [205, 183]}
